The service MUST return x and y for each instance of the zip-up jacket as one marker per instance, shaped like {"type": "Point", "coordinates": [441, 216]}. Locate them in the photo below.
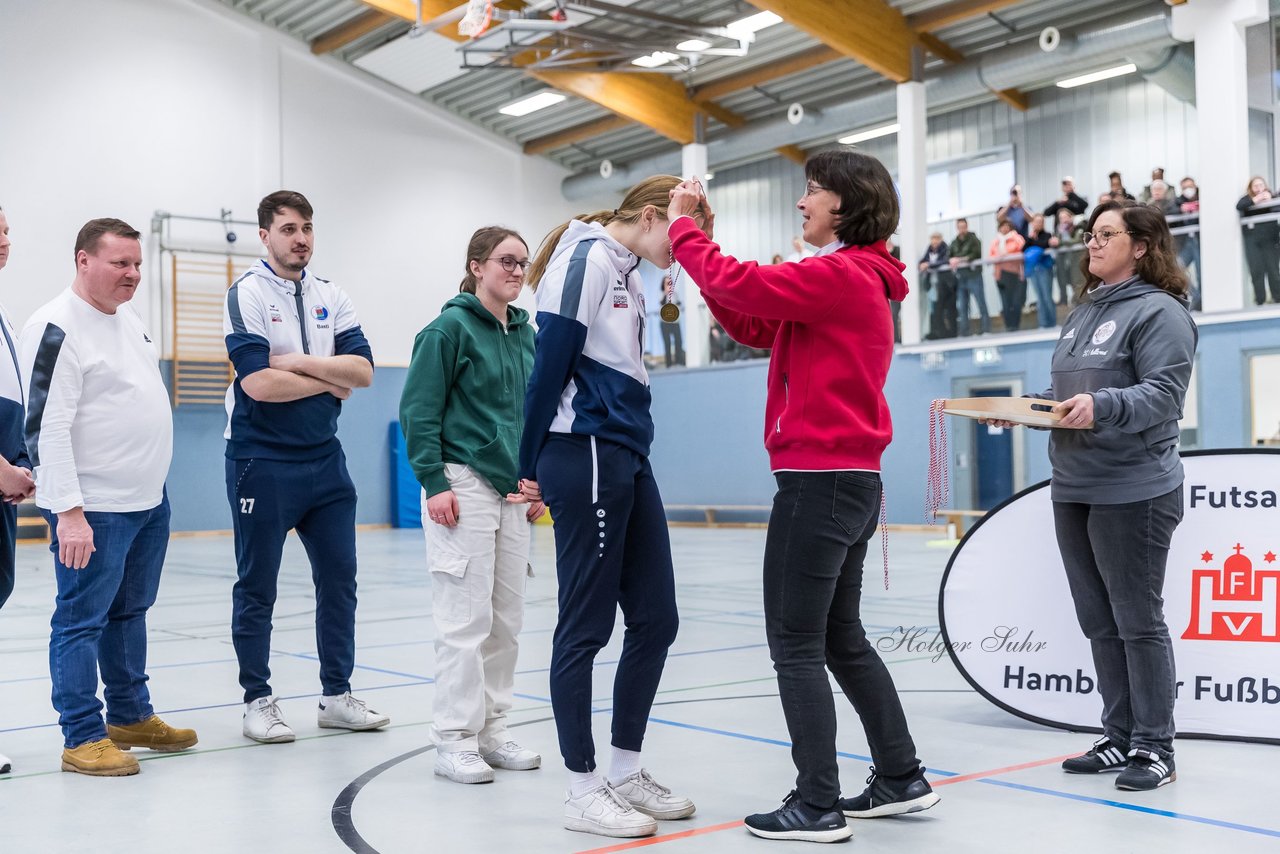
{"type": "Point", "coordinates": [827, 319]}
{"type": "Point", "coordinates": [13, 399]}
{"type": "Point", "coordinates": [588, 376]}
{"type": "Point", "coordinates": [265, 315]}
{"type": "Point", "coordinates": [966, 247]}
{"type": "Point", "coordinates": [463, 399]}
{"type": "Point", "coordinates": [1131, 346]}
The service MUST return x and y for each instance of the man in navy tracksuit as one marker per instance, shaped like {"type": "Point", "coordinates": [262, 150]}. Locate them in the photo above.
{"type": "Point", "coordinates": [15, 469]}
{"type": "Point", "coordinates": [298, 351]}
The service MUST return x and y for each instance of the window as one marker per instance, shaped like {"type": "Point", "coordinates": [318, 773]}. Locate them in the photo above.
{"type": "Point", "coordinates": [985, 187]}
{"type": "Point", "coordinates": [1264, 378]}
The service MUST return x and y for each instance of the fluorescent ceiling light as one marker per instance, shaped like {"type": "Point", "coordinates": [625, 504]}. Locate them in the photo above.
{"type": "Point", "coordinates": [693, 45]}
{"type": "Point", "coordinates": [864, 135]}
{"type": "Point", "coordinates": [1105, 74]}
{"type": "Point", "coordinates": [653, 60]}
{"type": "Point", "coordinates": [532, 104]}
{"type": "Point", "coordinates": [755, 23]}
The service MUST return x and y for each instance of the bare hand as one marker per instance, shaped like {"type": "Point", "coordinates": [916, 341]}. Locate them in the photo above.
{"type": "Point", "coordinates": [996, 422]}
{"type": "Point", "coordinates": [924, 265]}
{"type": "Point", "coordinates": [16, 483]}
{"type": "Point", "coordinates": [535, 511]}
{"type": "Point", "coordinates": [291, 362]}
{"type": "Point", "coordinates": [527, 492]}
{"type": "Point", "coordinates": [686, 200]}
{"type": "Point", "coordinates": [1054, 242]}
{"type": "Point", "coordinates": [75, 539]}
{"type": "Point", "coordinates": [442, 508]}
{"type": "Point", "coordinates": [1077, 412]}
{"type": "Point", "coordinates": [954, 262]}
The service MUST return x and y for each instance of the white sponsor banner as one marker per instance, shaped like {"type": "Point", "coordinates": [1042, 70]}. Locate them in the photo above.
{"type": "Point", "coordinates": [1009, 623]}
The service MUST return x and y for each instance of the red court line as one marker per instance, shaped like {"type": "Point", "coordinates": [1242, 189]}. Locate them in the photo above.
{"type": "Point", "coordinates": [666, 837]}
{"type": "Point", "coordinates": [715, 828]}
{"type": "Point", "coordinates": [960, 778]}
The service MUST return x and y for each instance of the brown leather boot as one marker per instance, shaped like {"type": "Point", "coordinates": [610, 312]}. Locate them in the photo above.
{"type": "Point", "coordinates": [99, 758]}
{"type": "Point", "coordinates": [153, 733]}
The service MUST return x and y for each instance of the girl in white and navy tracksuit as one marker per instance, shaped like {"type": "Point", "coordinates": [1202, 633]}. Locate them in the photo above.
{"type": "Point", "coordinates": [586, 442]}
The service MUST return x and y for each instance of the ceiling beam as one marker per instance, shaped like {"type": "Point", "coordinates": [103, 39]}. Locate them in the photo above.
{"type": "Point", "coordinates": [654, 100]}
{"type": "Point", "coordinates": [868, 31]}
{"type": "Point", "coordinates": [358, 27]}
{"type": "Point", "coordinates": [766, 73]}
{"type": "Point", "coordinates": [568, 136]}
{"type": "Point", "coordinates": [939, 48]}
{"type": "Point", "coordinates": [1015, 98]}
{"type": "Point", "coordinates": [942, 16]}
{"type": "Point", "coordinates": [794, 153]}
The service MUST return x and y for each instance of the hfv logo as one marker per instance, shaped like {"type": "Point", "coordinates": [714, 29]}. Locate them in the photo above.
{"type": "Point", "coordinates": [1235, 603]}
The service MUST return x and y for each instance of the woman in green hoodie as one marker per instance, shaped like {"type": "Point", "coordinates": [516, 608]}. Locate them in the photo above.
{"type": "Point", "coordinates": [462, 412]}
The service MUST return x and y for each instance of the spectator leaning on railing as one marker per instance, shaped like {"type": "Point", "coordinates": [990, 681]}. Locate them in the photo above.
{"type": "Point", "coordinates": [1009, 281]}
{"type": "Point", "coordinates": [1188, 245]}
{"type": "Point", "coordinates": [1039, 266]}
{"type": "Point", "coordinates": [965, 250]}
{"type": "Point", "coordinates": [1260, 241]}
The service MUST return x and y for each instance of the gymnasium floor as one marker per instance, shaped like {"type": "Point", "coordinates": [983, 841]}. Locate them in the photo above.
{"type": "Point", "coordinates": [717, 732]}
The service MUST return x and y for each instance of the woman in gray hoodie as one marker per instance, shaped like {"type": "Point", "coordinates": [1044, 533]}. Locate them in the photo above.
{"type": "Point", "coordinates": [1121, 369]}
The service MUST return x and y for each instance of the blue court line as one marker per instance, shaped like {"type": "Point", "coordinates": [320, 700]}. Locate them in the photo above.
{"type": "Point", "coordinates": [1198, 819]}
{"type": "Point", "coordinates": [1214, 822]}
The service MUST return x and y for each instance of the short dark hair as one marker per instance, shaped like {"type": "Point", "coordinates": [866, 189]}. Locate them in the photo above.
{"type": "Point", "coordinates": [276, 202]}
{"type": "Point", "coordinates": [1159, 264]}
{"type": "Point", "coordinates": [93, 230]}
{"type": "Point", "coordinates": [960, 220]}
{"type": "Point", "coordinates": [1113, 175]}
{"type": "Point", "coordinates": [868, 211]}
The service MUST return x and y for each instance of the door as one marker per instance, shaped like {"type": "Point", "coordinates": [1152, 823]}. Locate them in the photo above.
{"type": "Point", "coordinates": [993, 456]}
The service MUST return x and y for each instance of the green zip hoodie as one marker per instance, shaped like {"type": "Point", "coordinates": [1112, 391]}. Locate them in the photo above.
{"type": "Point", "coordinates": [463, 399]}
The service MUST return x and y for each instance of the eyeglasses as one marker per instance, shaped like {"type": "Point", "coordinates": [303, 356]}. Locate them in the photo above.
{"type": "Point", "coordinates": [1103, 237]}
{"type": "Point", "coordinates": [812, 188]}
{"type": "Point", "coordinates": [509, 263]}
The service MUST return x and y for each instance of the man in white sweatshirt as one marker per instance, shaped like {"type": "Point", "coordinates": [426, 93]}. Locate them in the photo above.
{"type": "Point", "coordinates": [100, 435]}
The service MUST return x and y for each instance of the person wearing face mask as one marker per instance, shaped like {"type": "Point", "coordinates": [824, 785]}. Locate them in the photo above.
{"type": "Point", "coordinates": [462, 410]}
{"type": "Point", "coordinates": [16, 482]}
{"type": "Point", "coordinates": [1261, 240]}
{"type": "Point", "coordinates": [585, 448]}
{"type": "Point", "coordinates": [1121, 369]}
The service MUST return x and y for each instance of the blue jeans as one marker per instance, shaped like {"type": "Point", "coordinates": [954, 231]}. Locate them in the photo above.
{"type": "Point", "coordinates": [317, 499]}
{"type": "Point", "coordinates": [1115, 557]}
{"type": "Point", "coordinates": [100, 622]}
{"type": "Point", "coordinates": [817, 541]}
{"type": "Point", "coordinates": [969, 284]}
{"type": "Point", "coordinates": [1046, 310]}
{"type": "Point", "coordinates": [1188, 255]}
{"type": "Point", "coordinates": [612, 550]}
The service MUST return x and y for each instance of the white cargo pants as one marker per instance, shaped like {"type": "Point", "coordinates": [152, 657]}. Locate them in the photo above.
{"type": "Point", "coordinates": [478, 572]}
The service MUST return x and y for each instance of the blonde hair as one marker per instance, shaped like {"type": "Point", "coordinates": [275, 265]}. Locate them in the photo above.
{"type": "Point", "coordinates": [654, 191]}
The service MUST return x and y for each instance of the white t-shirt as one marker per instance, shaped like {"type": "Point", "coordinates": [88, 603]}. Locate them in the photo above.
{"type": "Point", "coordinates": [99, 425]}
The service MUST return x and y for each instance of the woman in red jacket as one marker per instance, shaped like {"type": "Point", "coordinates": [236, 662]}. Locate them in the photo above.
{"type": "Point", "coordinates": [828, 321]}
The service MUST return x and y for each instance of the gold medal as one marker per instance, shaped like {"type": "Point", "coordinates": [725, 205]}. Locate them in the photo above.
{"type": "Point", "coordinates": [670, 312]}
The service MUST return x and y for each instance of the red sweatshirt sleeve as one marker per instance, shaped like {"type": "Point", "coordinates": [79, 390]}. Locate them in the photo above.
{"type": "Point", "coordinates": [743, 328]}
{"type": "Point", "coordinates": [802, 292]}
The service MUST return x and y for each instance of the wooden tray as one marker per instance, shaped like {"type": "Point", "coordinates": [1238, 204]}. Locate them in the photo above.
{"type": "Point", "coordinates": [1028, 411]}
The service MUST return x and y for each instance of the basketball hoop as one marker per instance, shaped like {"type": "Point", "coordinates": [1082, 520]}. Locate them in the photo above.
{"type": "Point", "coordinates": [476, 20]}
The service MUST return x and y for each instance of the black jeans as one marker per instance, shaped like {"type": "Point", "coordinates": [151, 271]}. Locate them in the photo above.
{"type": "Point", "coordinates": [818, 534]}
{"type": "Point", "coordinates": [1263, 254]}
{"type": "Point", "coordinates": [1013, 295]}
{"type": "Point", "coordinates": [1115, 557]}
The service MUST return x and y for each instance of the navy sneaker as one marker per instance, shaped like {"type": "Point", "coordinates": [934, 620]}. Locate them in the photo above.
{"type": "Point", "coordinates": [1146, 771]}
{"type": "Point", "coordinates": [1105, 755]}
{"type": "Point", "coordinates": [886, 796]}
{"type": "Point", "coordinates": [797, 820]}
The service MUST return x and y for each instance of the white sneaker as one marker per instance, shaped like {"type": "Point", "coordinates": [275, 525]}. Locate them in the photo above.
{"type": "Point", "coordinates": [652, 798]}
{"type": "Point", "coordinates": [5, 765]}
{"type": "Point", "coordinates": [512, 757]}
{"type": "Point", "coordinates": [463, 766]}
{"type": "Point", "coordinates": [346, 712]}
{"type": "Point", "coordinates": [262, 722]}
{"type": "Point", "coordinates": [603, 811]}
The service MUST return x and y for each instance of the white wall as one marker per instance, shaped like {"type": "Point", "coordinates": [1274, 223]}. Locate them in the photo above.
{"type": "Point", "coordinates": [122, 107]}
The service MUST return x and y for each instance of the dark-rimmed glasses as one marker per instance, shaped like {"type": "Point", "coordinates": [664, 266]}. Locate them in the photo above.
{"type": "Point", "coordinates": [509, 263]}
{"type": "Point", "coordinates": [1103, 237]}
